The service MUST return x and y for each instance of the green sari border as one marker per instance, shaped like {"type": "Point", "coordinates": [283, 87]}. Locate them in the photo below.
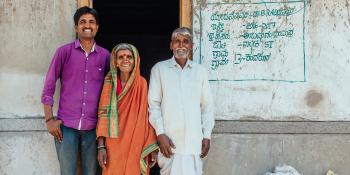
{"type": "Point", "coordinates": [143, 164]}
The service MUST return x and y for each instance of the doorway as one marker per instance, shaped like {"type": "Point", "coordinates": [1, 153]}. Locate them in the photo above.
{"type": "Point", "coordinates": [145, 24]}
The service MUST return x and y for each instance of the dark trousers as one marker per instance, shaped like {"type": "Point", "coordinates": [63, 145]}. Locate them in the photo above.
{"type": "Point", "coordinates": [67, 151]}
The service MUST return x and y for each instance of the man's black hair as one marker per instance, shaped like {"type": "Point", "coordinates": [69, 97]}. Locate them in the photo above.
{"type": "Point", "coordinates": [84, 10]}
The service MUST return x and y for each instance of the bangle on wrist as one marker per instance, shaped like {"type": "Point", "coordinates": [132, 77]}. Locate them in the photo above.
{"type": "Point", "coordinates": [101, 147]}
{"type": "Point", "coordinates": [51, 118]}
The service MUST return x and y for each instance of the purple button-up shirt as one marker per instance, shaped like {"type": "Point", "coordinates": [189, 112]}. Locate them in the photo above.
{"type": "Point", "coordinates": [81, 77]}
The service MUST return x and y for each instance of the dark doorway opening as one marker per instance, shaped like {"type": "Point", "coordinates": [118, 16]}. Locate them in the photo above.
{"type": "Point", "coordinates": [146, 24]}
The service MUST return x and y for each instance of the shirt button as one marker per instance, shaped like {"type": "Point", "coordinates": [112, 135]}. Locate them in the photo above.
{"type": "Point", "coordinates": [82, 115]}
{"type": "Point", "coordinates": [84, 104]}
{"type": "Point", "coordinates": [85, 82]}
{"type": "Point", "coordinates": [84, 92]}
{"type": "Point", "coordinates": [86, 70]}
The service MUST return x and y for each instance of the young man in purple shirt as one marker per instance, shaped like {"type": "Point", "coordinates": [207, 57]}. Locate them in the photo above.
{"type": "Point", "coordinates": [81, 66]}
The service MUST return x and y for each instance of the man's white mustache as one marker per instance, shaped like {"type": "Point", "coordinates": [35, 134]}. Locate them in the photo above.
{"type": "Point", "coordinates": [181, 50]}
{"type": "Point", "coordinates": [181, 53]}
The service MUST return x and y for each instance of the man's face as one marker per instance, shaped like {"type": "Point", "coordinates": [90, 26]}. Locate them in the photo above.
{"type": "Point", "coordinates": [87, 27]}
{"type": "Point", "coordinates": [181, 46]}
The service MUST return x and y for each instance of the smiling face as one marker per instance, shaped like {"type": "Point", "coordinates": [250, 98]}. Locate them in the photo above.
{"type": "Point", "coordinates": [87, 27]}
{"type": "Point", "coordinates": [181, 46]}
{"type": "Point", "coordinates": [125, 61]}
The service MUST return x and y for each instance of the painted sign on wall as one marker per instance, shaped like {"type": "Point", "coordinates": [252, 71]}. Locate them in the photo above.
{"type": "Point", "coordinates": [275, 59]}
{"type": "Point", "coordinates": [265, 36]}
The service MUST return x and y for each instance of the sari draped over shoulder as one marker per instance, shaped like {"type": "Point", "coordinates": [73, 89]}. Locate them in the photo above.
{"type": "Point", "coordinates": [123, 121]}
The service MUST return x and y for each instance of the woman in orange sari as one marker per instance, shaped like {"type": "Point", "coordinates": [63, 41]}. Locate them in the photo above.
{"type": "Point", "coordinates": [126, 140]}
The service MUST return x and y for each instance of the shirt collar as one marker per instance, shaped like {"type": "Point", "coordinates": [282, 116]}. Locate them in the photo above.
{"type": "Point", "coordinates": [173, 63]}
{"type": "Point", "coordinates": [77, 45]}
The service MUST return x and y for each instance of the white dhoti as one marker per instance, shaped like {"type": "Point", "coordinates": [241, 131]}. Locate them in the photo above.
{"type": "Point", "coordinates": [180, 164]}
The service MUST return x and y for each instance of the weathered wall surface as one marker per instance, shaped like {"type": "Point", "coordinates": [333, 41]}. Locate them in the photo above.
{"type": "Point", "coordinates": [30, 31]}
{"type": "Point", "coordinates": [256, 127]}
{"type": "Point", "coordinates": [256, 154]}
{"type": "Point", "coordinates": [279, 71]}
{"type": "Point", "coordinates": [27, 153]}
{"type": "Point", "coordinates": [275, 60]}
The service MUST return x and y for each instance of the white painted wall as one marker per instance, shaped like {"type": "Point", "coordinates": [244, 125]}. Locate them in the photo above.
{"type": "Point", "coordinates": [278, 89]}
{"type": "Point", "coordinates": [30, 32]}
{"type": "Point", "coordinates": [28, 153]}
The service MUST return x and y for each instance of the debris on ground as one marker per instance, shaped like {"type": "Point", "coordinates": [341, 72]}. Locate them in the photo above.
{"type": "Point", "coordinates": [284, 170]}
{"type": "Point", "coordinates": [330, 172]}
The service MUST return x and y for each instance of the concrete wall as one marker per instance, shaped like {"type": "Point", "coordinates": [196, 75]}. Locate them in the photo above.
{"type": "Point", "coordinates": [306, 76]}
{"type": "Point", "coordinates": [255, 154]}
{"type": "Point", "coordinates": [278, 111]}
{"type": "Point", "coordinates": [253, 148]}
{"type": "Point", "coordinates": [27, 152]}
{"type": "Point", "coordinates": [30, 31]}
{"type": "Point", "coordinates": [243, 144]}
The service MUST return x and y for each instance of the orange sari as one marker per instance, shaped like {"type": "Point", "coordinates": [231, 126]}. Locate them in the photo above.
{"type": "Point", "coordinates": [123, 121]}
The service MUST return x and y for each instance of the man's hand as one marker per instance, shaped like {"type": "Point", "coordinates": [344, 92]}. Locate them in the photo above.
{"type": "Point", "coordinates": [165, 145]}
{"type": "Point", "coordinates": [205, 147]}
{"type": "Point", "coordinates": [102, 158]}
{"type": "Point", "coordinates": [53, 126]}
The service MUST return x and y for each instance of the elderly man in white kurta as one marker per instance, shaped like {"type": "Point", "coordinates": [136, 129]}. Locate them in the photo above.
{"type": "Point", "coordinates": [181, 109]}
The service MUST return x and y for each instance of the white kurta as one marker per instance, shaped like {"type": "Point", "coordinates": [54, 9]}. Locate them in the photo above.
{"type": "Point", "coordinates": [181, 105]}
{"type": "Point", "coordinates": [180, 164]}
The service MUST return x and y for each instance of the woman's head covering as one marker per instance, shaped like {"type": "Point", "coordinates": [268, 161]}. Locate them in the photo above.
{"type": "Point", "coordinates": [114, 70]}
{"type": "Point", "coordinates": [125, 116]}
{"type": "Point", "coordinates": [108, 105]}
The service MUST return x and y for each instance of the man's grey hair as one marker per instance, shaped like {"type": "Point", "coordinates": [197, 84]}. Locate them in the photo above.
{"type": "Point", "coordinates": [185, 31]}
